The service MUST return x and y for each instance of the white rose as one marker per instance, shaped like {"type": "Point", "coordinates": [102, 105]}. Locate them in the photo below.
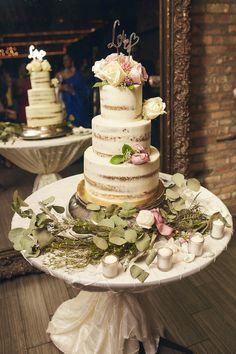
{"type": "Point", "coordinates": [153, 107]}
{"type": "Point", "coordinates": [36, 65]}
{"type": "Point", "coordinates": [145, 219]}
{"type": "Point", "coordinates": [114, 74]}
{"type": "Point", "coordinates": [55, 82]}
{"type": "Point", "coordinates": [45, 66]}
{"type": "Point", "coordinates": [98, 69]}
{"type": "Point", "coordinates": [29, 67]}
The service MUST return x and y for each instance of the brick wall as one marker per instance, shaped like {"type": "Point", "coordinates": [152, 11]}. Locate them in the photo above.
{"type": "Point", "coordinates": [213, 107]}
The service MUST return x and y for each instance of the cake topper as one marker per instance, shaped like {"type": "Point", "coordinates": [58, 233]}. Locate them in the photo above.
{"type": "Point", "coordinates": [121, 39]}
{"type": "Point", "coordinates": [35, 53]}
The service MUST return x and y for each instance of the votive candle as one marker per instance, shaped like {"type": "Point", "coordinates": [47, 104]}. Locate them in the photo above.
{"type": "Point", "coordinates": [195, 245]}
{"type": "Point", "coordinates": [164, 258]}
{"type": "Point", "coordinates": [217, 229]}
{"type": "Point", "coordinates": [110, 266]}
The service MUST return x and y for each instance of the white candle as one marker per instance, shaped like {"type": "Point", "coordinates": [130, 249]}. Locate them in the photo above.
{"type": "Point", "coordinates": [110, 266]}
{"type": "Point", "coordinates": [217, 230]}
{"type": "Point", "coordinates": [195, 245]}
{"type": "Point", "coordinates": [164, 258]}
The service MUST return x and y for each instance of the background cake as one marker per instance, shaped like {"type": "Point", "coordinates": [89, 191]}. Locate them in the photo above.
{"type": "Point", "coordinates": [44, 108]}
{"type": "Point", "coordinates": [134, 178]}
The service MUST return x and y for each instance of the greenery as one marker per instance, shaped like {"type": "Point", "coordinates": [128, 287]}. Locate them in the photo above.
{"type": "Point", "coordinates": [9, 131]}
{"type": "Point", "coordinates": [76, 243]}
{"type": "Point", "coordinates": [127, 152]}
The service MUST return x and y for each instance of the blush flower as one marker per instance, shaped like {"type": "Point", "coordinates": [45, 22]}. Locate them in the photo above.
{"type": "Point", "coordinates": [139, 159]}
{"type": "Point", "coordinates": [145, 219]}
{"type": "Point", "coordinates": [163, 229]}
{"type": "Point", "coordinates": [138, 148]}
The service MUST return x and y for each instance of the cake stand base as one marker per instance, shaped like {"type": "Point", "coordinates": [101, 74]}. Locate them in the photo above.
{"type": "Point", "coordinates": [45, 132]}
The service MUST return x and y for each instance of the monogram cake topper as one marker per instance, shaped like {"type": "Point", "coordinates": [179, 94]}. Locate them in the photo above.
{"type": "Point", "coordinates": [121, 39]}
{"type": "Point", "coordinates": [35, 53]}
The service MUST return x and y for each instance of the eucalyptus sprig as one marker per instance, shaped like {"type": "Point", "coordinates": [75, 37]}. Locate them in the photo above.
{"type": "Point", "coordinates": [127, 152]}
{"type": "Point", "coordinates": [9, 131]}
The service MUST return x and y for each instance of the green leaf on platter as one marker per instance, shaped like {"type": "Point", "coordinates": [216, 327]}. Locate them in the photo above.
{"type": "Point", "coordinates": [43, 237]}
{"type": "Point", "coordinates": [151, 256]}
{"type": "Point", "coordinates": [28, 243]}
{"type": "Point", "coordinates": [131, 235]}
{"type": "Point", "coordinates": [41, 220]}
{"type": "Point", "coordinates": [93, 207]}
{"type": "Point", "coordinates": [179, 205]}
{"type": "Point", "coordinates": [178, 179]}
{"type": "Point", "coordinates": [17, 199]}
{"type": "Point", "coordinates": [97, 216]}
{"type": "Point", "coordinates": [118, 221]}
{"type": "Point", "coordinates": [171, 195]}
{"type": "Point", "coordinates": [117, 159]}
{"type": "Point", "coordinates": [138, 273]}
{"type": "Point", "coordinates": [143, 243]}
{"type": "Point", "coordinates": [110, 209]}
{"type": "Point", "coordinates": [118, 231]}
{"type": "Point", "coordinates": [131, 87]}
{"type": "Point", "coordinates": [119, 241]}
{"type": "Point", "coordinates": [127, 150]}
{"type": "Point", "coordinates": [100, 242]}
{"type": "Point", "coordinates": [193, 184]}
{"type": "Point", "coordinates": [99, 84]}
{"type": "Point", "coordinates": [58, 209]}
{"type": "Point", "coordinates": [49, 200]}
{"type": "Point", "coordinates": [107, 222]}
{"type": "Point", "coordinates": [128, 206]}
{"type": "Point", "coordinates": [15, 236]}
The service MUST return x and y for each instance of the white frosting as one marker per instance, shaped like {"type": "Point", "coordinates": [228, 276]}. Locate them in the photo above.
{"type": "Point", "coordinates": [38, 96]}
{"type": "Point", "coordinates": [109, 135]}
{"type": "Point", "coordinates": [47, 114]}
{"type": "Point", "coordinates": [106, 183]}
{"type": "Point", "coordinates": [121, 103]}
{"type": "Point", "coordinates": [40, 79]}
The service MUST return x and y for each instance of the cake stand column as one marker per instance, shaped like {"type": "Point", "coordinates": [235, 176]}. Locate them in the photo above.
{"type": "Point", "coordinates": [106, 323]}
{"type": "Point", "coordinates": [42, 180]}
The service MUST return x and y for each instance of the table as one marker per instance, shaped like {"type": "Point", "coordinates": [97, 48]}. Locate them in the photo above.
{"type": "Point", "coordinates": [46, 157]}
{"type": "Point", "coordinates": [111, 316]}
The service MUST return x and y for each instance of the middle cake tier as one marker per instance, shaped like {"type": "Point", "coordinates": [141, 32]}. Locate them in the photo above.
{"type": "Point", "coordinates": [106, 183]}
{"type": "Point", "coordinates": [109, 136]}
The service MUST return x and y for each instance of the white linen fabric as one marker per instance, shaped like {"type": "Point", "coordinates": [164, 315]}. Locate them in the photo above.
{"type": "Point", "coordinates": [45, 157]}
{"type": "Point", "coordinates": [117, 313]}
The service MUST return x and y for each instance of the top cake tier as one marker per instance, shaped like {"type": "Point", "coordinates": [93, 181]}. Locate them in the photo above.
{"type": "Point", "coordinates": [121, 103]}
{"type": "Point", "coordinates": [40, 79]}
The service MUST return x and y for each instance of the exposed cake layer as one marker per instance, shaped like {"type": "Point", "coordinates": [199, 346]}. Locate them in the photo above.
{"type": "Point", "coordinates": [121, 103]}
{"type": "Point", "coordinates": [110, 135]}
{"type": "Point", "coordinates": [106, 183]}
{"type": "Point", "coordinates": [39, 96]}
{"type": "Point", "coordinates": [40, 79]}
{"type": "Point", "coordinates": [45, 114]}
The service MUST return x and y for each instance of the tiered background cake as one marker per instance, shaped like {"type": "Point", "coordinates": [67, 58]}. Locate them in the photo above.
{"type": "Point", "coordinates": [43, 109]}
{"type": "Point", "coordinates": [121, 122]}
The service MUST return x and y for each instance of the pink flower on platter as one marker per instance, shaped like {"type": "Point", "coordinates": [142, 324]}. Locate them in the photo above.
{"type": "Point", "coordinates": [138, 148]}
{"type": "Point", "coordinates": [163, 229]}
{"type": "Point", "coordinates": [139, 159]}
{"type": "Point", "coordinates": [138, 74]}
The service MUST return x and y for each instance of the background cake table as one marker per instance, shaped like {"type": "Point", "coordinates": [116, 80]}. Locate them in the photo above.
{"type": "Point", "coordinates": [111, 316]}
{"type": "Point", "coordinates": [45, 157]}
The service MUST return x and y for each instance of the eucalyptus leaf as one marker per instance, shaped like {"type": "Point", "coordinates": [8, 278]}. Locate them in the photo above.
{"type": "Point", "coordinates": [110, 209]}
{"type": "Point", "coordinates": [49, 200]}
{"type": "Point", "coordinates": [128, 206]}
{"type": "Point", "coordinates": [100, 242]}
{"type": "Point", "coordinates": [93, 207]}
{"type": "Point", "coordinates": [138, 273]}
{"type": "Point", "coordinates": [117, 159]}
{"type": "Point", "coordinates": [107, 222]}
{"type": "Point", "coordinates": [43, 237]}
{"type": "Point", "coordinates": [17, 198]}
{"type": "Point", "coordinates": [100, 84]}
{"type": "Point", "coordinates": [97, 217]}
{"type": "Point", "coordinates": [151, 256]}
{"type": "Point", "coordinates": [118, 231]}
{"type": "Point", "coordinates": [131, 235]}
{"type": "Point", "coordinates": [118, 221]}
{"type": "Point", "coordinates": [178, 179]}
{"type": "Point", "coordinates": [41, 219]}
{"type": "Point", "coordinates": [179, 205]}
{"type": "Point", "coordinates": [193, 184]}
{"type": "Point", "coordinates": [15, 236]}
{"type": "Point", "coordinates": [58, 209]}
{"type": "Point", "coordinates": [171, 195]}
{"type": "Point", "coordinates": [143, 243]}
{"type": "Point", "coordinates": [119, 241]}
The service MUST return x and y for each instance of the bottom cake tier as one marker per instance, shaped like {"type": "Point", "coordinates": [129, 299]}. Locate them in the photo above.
{"type": "Point", "coordinates": [106, 183]}
{"type": "Point", "coordinates": [44, 114]}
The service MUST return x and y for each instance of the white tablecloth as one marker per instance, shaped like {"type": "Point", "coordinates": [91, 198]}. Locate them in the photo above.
{"type": "Point", "coordinates": [113, 314]}
{"type": "Point", "coordinates": [45, 157]}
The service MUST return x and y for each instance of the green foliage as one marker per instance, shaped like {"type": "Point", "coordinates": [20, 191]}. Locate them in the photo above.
{"type": "Point", "coordinates": [117, 159]}
{"type": "Point", "coordinates": [100, 84]}
{"type": "Point", "coordinates": [138, 273]}
{"type": "Point", "coordinates": [9, 131]}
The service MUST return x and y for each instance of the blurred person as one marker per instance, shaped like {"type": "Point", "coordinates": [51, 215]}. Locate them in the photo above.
{"type": "Point", "coordinates": [74, 93]}
{"type": "Point", "coordinates": [22, 85]}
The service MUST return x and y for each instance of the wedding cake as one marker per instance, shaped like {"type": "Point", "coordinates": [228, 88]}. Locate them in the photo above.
{"type": "Point", "coordinates": [43, 109]}
{"type": "Point", "coordinates": [121, 165]}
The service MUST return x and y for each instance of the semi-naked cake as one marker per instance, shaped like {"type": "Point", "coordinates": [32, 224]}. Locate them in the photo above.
{"type": "Point", "coordinates": [121, 123]}
{"type": "Point", "coordinates": [43, 109]}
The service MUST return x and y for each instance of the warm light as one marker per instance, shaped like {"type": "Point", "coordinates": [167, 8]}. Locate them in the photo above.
{"type": "Point", "coordinates": [8, 52]}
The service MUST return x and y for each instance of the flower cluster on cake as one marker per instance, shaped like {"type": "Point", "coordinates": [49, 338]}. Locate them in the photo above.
{"type": "Point", "coordinates": [44, 108]}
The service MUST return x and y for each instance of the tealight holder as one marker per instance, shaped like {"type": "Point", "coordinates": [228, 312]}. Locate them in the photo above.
{"type": "Point", "coordinates": [195, 245]}
{"type": "Point", "coordinates": [164, 258]}
{"type": "Point", "coordinates": [217, 229]}
{"type": "Point", "coordinates": [110, 266]}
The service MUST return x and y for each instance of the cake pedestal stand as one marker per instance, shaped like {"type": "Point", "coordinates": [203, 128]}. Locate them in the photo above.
{"type": "Point", "coordinates": [45, 132]}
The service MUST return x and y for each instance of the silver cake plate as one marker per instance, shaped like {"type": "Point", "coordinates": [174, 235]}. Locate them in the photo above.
{"type": "Point", "coordinates": [78, 202]}
{"type": "Point", "coordinates": [45, 132]}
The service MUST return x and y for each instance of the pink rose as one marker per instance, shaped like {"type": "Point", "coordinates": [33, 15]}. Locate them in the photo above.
{"type": "Point", "coordinates": [139, 159]}
{"type": "Point", "coordinates": [112, 57]}
{"type": "Point", "coordinates": [138, 74]}
{"type": "Point", "coordinates": [163, 229]}
{"type": "Point", "coordinates": [139, 148]}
